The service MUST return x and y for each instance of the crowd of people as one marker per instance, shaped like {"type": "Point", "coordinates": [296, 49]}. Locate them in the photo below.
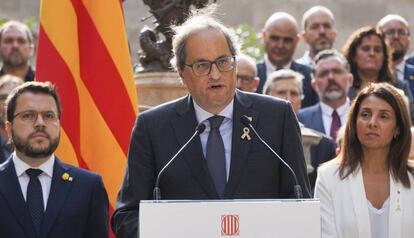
{"type": "Point", "coordinates": [359, 103]}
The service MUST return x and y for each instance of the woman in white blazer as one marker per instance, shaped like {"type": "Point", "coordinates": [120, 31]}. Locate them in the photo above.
{"type": "Point", "coordinates": [367, 191]}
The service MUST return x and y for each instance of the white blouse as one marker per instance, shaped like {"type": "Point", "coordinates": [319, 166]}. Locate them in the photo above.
{"type": "Point", "coordinates": [378, 219]}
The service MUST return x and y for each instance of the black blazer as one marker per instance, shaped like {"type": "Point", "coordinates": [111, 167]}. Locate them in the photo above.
{"type": "Point", "coordinates": [254, 172]}
{"type": "Point", "coordinates": [321, 153]}
{"type": "Point", "coordinates": [310, 95]}
{"type": "Point", "coordinates": [75, 209]}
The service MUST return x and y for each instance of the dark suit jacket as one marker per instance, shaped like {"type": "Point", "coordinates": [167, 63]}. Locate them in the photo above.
{"type": "Point", "coordinates": [310, 95]}
{"type": "Point", "coordinates": [75, 209]}
{"type": "Point", "coordinates": [409, 73]}
{"type": "Point", "coordinates": [255, 173]}
{"type": "Point", "coordinates": [321, 153]}
{"type": "Point", "coordinates": [311, 117]}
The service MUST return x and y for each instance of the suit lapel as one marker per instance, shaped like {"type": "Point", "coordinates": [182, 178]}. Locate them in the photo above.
{"type": "Point", "coordinates": [240, 147]}
{"type": "Point", "coordinates": [317, 118]}
{"type": "Point", "coordinates": [11, 191]}
{"type": "Point", "coordinates": [58, 192]}
{"type": "Point", "coordinates": [356, 186]}
{"type": "Point", "coordinates": [261, 73]}
{"type": "Point", "coordinates": [184, 126]}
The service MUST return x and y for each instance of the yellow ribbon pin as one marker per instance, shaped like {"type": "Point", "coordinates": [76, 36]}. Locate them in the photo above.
{"type": "Point", "coordinates": [245, 134]}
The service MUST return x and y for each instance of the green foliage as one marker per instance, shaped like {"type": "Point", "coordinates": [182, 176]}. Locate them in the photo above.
{"type": "Point", "coordinates": [30, 22]}
{"type": "Point", "coordinates": [250, 41]}
{"type": "Point", "coordinates": [2, 21]}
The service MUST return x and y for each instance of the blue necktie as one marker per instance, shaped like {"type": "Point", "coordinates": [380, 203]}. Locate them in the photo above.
{"type": "Point", "coordinates": [215, 155]}
{"type": "Point", "coordinates": [34, 199]}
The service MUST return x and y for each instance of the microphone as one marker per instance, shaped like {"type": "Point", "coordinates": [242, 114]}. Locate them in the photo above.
{"type": "Point", "coordinates": [157, 191]}
{"type": "Point", "coordinates": [296, 188]}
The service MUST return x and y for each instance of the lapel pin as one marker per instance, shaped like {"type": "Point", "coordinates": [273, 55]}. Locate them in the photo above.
{"type": "Point", "coordinates": [66, 177]}
{"type": "Point", "coordinates": [245, 134]}
{"type": "Point", "coordinates": [411, 77]}
{"type": "Point", "coordinates": [398, 208]}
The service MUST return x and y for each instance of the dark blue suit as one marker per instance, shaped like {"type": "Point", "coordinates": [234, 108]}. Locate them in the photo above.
{"type": "Point", "coordinates": [409, 73]}
{"type": "Point", "coordinates": [321, 153]}
{"type": "Point", "coordinates": [311, 117]}
{"type": "Point", "coordinates": [255, 173]}
{"type": "Point", "coordinates": [75, 209]}
{"type": "Point", "coordinates": [310, 95]}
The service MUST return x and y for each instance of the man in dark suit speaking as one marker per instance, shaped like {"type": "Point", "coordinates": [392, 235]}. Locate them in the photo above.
{"type": "Point", "coordinates": [226, 161]}
{"type": "Point", "coordinates": [41, 197]}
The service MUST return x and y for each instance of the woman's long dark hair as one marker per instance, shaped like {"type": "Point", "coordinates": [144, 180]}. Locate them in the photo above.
{"type": "Point", "coordinates": [350, 48]}
{"type": "Point", "coordinates": [351, 154]}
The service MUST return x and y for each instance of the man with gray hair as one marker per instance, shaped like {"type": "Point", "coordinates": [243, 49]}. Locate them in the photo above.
{"type": "Point", "coordinates": [224, 161]}
{"type": "Point", "coordinates": [247, 79]}
{"type": "Point", "coordinates": [331, 79]}
{"type": "Point", "coordinates": [16, 48]}
{"type": "Point", "coordinates": [287, 84]}
{"type": "Point", "coordinates": [397, 36]}
{"type": "Point", "coordinates": [280, 36]}
{"type": "Point", "coordinates": [319, 33]}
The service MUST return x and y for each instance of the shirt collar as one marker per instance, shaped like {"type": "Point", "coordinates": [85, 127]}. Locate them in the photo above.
{"type": "Point", "coordinates": [307, 59]}
{"type": "Point", "coordinates": [203, 115]}
{"type": "Point", "coordinates": [21, 166]}
{"type": "Point", "coordinates": [272, 67]}
{"type": "Point", "coordinates": [400, 67]}
{"type": "Point", "coordinates": [341, 110]}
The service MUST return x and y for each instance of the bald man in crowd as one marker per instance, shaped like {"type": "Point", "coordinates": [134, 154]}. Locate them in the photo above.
{"type": "Point", "coordinates": [280, 36]}
{"type": "Point", "coordinates": [397, 36]}
{"type": "Point", "coordinates": [319, 33]}
{"type": "Point", "coordinates": [247, 79]}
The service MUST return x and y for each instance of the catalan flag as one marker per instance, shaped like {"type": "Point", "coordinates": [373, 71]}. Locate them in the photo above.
{"type": "Point", "coordinates": [83, 49]}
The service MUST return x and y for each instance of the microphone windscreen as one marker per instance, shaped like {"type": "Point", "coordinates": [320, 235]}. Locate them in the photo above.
{"type": "Point", "coordinates": [200, 128]}
{"type": "Point", "coordinates": [245, 120]}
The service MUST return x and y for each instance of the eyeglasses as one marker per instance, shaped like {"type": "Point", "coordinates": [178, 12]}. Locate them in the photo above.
{"type": "Point", "coordinates": [32, 116]}
{"type": "Point", "coordinates": [203, 68]}
{"type": "Point", "coordinates": [326, 73]}
{"type": "Point", "coordinates": [399, 32]}
{"type": "Point", "coordinates": [245, 78]}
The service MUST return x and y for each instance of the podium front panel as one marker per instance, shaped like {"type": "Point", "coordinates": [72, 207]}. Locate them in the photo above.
{"type": "Point", "coordinates": [230, 218]}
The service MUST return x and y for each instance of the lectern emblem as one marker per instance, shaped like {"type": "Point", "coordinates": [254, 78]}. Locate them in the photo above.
{"type": "Point", "coordinates": [230, 225]}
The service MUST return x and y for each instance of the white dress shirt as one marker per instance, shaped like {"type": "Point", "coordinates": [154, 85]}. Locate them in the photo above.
{"type": "Point", "coordinates": [306, 60]}
{"type": "Point", "coordinates": [226, 130]}
{"type": "Point", "coordinates": [327, 115]}
{"type": "Point", "coordinates": [45, 178]}
{"type": "Point", "coordinates": [271, 67]}
{"type": "Point", "coordinates": [399, 70]}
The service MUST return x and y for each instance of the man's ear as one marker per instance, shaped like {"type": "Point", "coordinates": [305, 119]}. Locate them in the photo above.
{"type": "Point", "coordinates": [8, 128]}
{"type": "Point", "coordinates": [255, 82]}
{"type": "Point", "coordinates": [297, 39]}
{"type": "Point", "coordinates": [180, 73]}
{"type": "Point", "coordinates": [314, 85]}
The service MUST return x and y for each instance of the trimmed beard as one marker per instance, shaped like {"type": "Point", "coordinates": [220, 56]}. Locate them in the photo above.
{"type": "Point", "coordinates": [397, 55]}
{"type": "Point", "coordinates": [24, 147]}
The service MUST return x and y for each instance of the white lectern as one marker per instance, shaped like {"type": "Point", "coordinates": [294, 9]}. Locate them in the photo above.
{"type": "Point", "coordinates": [230, 218]}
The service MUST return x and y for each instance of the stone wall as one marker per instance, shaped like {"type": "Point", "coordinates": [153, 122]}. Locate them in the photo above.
{"type": "Point", "coordinates": [350, 14]}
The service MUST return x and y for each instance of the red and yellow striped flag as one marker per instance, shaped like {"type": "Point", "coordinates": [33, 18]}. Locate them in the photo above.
{"type": "Point", "coordinates": [83, 49]}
